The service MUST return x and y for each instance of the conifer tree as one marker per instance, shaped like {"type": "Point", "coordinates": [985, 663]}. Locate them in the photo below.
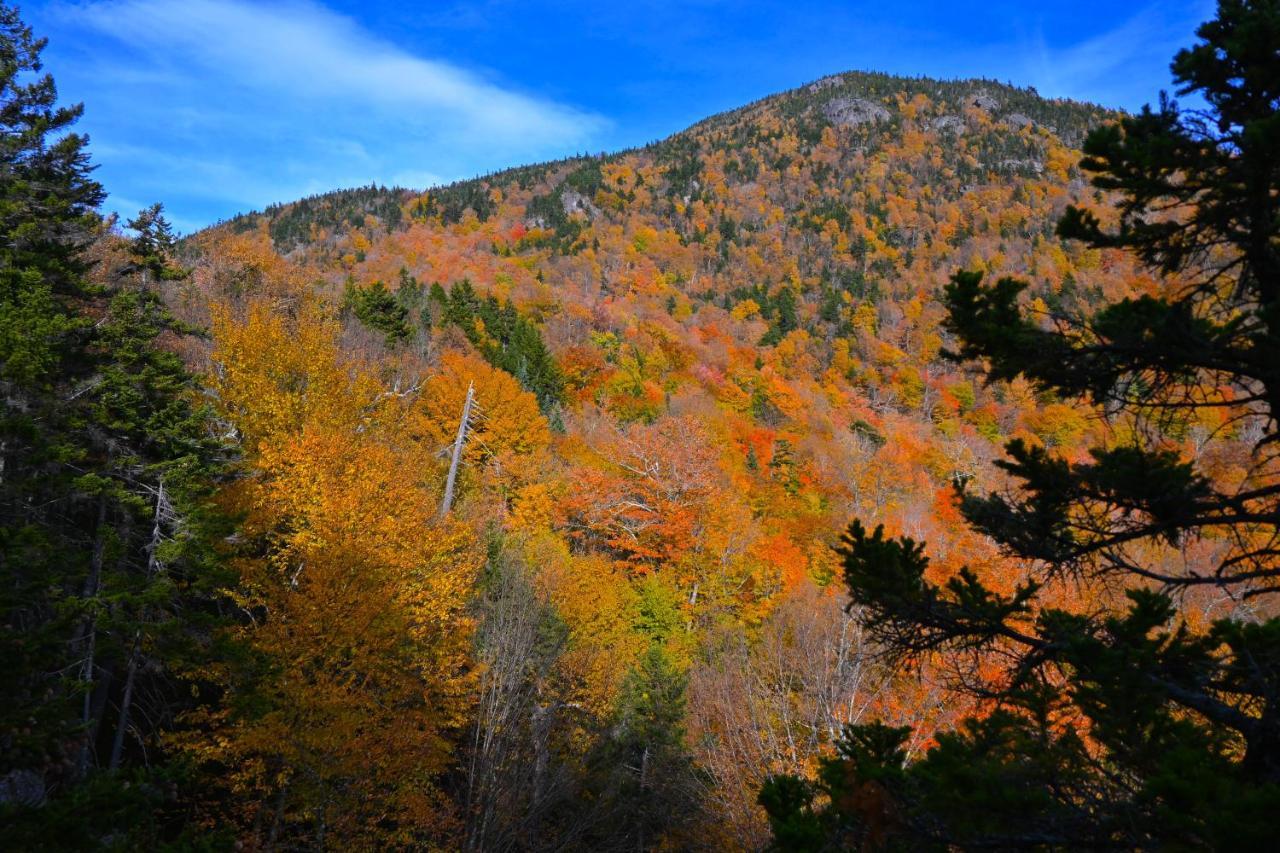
{"type": "Point", "coordinates": [106, 457]}
{"type": "Point", "coordinates": [1125, 720]}
{"type": "Point", "coordinates": [641, 777]}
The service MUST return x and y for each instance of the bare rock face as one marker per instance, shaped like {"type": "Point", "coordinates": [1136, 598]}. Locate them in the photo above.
{"type": "Point", "coordinates": [1021, 165]}
{"type": "Point", "coordinates": [825, 83]}
{"type": "Point", "coordinates": [694, 189]}
{"type": "Point", "coordinates": [949, 124]}
{"type": "Point", "coordinates": [576, 202]}
{"type": "Point", "coordinates": [1020, 120]}
{"type": "Point", "coordinates": [983, 100]}
{"type": "Point", "coordinates": [851, 112]}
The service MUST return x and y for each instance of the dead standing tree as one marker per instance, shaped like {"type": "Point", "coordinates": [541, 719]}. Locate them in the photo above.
{"type": "Point", "coordinates": [464, 423]}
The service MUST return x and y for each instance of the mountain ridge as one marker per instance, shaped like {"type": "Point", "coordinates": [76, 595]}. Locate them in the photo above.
{"type": "Point", "coordinates": [1016, 101]}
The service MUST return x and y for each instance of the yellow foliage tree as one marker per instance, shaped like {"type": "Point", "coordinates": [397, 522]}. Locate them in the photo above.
{"type": "Point", "coordinates": [507, 440]}
{"type": "Point", "coordinates": [356, 669]}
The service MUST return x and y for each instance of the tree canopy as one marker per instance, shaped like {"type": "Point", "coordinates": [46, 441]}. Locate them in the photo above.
{"type": "Point", "coordinates": [1122, 717]}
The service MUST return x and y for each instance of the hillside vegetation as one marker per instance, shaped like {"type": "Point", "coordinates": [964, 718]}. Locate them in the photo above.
{"type": "Point", "coordinates": [730, 344]}
{"type": "Point", "coordinates": [581, 506]}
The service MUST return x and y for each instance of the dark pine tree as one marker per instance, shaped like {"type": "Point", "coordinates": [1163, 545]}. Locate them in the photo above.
{"type": "Point", "coordinates": [107, 457]}
{"type": "Point", "coordinates": [506, 339]}
{"type": "Point", "coordinates": [1121, 723]}
{"type": "Point", "coordinates": [381, 310]}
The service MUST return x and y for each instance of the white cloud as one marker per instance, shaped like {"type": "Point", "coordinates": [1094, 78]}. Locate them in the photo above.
{"type": "Point", "coordinates": [302, 50]}
{"type": "Point", "coordinates": [218, 106]}
{"type": "Point", "coordinates": [1111, 67]}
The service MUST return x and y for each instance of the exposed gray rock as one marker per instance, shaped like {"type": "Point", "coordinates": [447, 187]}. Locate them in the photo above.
{"type": "Point", "coordinates": [1020, 120]}
{"type": "Point", "coordinates": [1016, 165]}
{"type": "Point", "coordinates": [825, 83]}
{"type": "Point", "coordinates": [694, 189]}
{"type": "Point", "coordinates": [851, 112]}
{"type": "Point", "coordinates": [576, 202]}
{"type": "Point", "coordinates": [983, 100]}
{"type": "Point", "coordinates": [949, 124]}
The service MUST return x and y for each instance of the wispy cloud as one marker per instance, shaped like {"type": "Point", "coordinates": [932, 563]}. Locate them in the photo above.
{"type": "Point", "coordinates": [304, 51]}
{"type": "Point", "coordinates": [229, 105]}
{"type": "Point", "coordinates": [1112, 67]}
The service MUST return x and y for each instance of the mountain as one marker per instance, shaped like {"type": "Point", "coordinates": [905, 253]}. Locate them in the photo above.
{"type": "Point", "coordinates": [727, 344]}
{"type": "Point", "coordinates": [833, 209]}
{"type": "Point", "coordinates": [773, 269]}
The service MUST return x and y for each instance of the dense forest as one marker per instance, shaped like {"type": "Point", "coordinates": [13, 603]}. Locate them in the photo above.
{"type": "Point", "coordinates": [887, 464]}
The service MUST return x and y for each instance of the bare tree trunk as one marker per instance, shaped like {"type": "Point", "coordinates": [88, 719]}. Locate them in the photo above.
{"type": "Point", "coordinates": [644, 788]}
{"type": "Point", "coordinates": [541, 726]}
{"type": "Point", "coordinates": [88, 631]}
{"type": "Point", "coordinates": [153, 566]}
{"type": "Point", "coordinates": [117, 745]}
{"type": "Point", "coordinates": [457, 451]}
{"type": "Point", "coordinates": [277, 817]}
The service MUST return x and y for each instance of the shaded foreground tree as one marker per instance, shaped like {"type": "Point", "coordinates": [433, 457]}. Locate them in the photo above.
{"type": "Point", "coordinates": [515, 781]}
{"type": "Point", "coordinates": [342, 691]}
{"type": "Point", "coordinates": [107, 462]}
{"type": "Point", "coordinates": [1126, 719]}
{"type": "Point", "coordinates": [543, 771]}
{"type": "Point", "coordinates": [640, 778]}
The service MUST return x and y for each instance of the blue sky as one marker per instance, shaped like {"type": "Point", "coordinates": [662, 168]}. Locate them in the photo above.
{"type": "Point", "coordinates": [215, 107]}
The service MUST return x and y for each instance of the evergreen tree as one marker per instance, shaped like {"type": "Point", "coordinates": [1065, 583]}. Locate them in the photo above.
{"type": "Point", "coordinates": [506, 339]}
{"type": "Point", "coordinates": [47, 203]}
{"type": "Point", "coordinates": [106, 459]}
{"type": "Point", "coordinates": [641, 778]}
{"type": "Point", "coordinates": [46, 209]}
{"type": "Point", "coordinates": [784, 317]}
{"type": "Point", "coordinates": [1121, 722]}
{"type": "Point", "coordinates": [381, 310]}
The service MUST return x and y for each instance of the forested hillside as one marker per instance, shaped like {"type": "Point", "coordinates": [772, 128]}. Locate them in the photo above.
{"type": "Point", "coordinates": [507, 515]}
{"type": "Point", "coordinates": [726, 345]}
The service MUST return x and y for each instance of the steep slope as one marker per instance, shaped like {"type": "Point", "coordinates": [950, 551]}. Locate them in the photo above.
{"type": "Point", "coordinates": [734, 335]}
{"type": "Point", "coordinates": [773, 267]}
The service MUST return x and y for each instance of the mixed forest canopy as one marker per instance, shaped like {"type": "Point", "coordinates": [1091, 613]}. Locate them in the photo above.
{"type": "Point", "coordinates": [516, 514]}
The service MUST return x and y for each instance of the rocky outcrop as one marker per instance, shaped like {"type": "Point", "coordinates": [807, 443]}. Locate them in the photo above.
{"type": "Point", "coordinates": [949, 124]}
{"type": "Point", "coordinates": [825, 83]}
{"type": "Point", "coordinates": [575, 202]}
{"type": "Point", "coordinates": [1020, 120]}
{"type": "Point", "coordinates": [851, 112]}
{"type": "Point", "coordinates": [983, 100]}
{"type": "Point", "coordinates": [1020, 165]}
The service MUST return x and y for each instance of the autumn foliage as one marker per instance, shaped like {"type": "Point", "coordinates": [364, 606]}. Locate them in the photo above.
{"type": "Point", "coordinates": [747, 350]}
{"type": "Point", "coordinates": [356, 669]}
{"type": "Point", "coordinates": [690, 364]}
